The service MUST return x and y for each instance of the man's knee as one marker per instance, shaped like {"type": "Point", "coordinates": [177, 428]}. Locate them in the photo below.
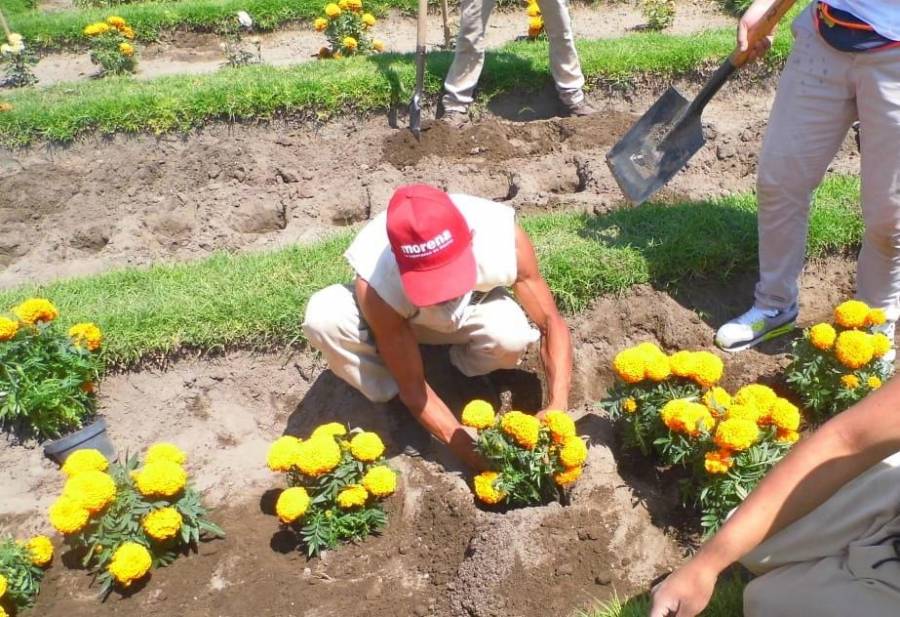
{"type": "Point", "coordinates": [325, 312]}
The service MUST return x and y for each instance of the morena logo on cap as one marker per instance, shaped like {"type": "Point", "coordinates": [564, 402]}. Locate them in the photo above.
{"type": "Point", "coordinates": [425, 249]}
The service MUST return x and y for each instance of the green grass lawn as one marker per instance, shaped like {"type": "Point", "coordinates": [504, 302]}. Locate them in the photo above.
{"type": "Point", "coordinates": [727, 601]}
{"type": "Point", "coordinates": [256, 300]}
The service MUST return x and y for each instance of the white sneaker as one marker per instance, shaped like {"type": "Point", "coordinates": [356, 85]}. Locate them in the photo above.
{"type": "Point", "coordinates": [754, 327]}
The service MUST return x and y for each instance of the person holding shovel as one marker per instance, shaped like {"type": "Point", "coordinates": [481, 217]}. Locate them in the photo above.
{"type": "Point", "coordinates": [468, 60]}
{"type": "Point", "coordinates": [844, 66]}
{"type": "Point", "coordinates": [434, 269]}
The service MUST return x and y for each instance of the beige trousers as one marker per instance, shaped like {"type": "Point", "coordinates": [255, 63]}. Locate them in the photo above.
{"type": "Point", "coordinates": [469, 57]}
{"type": "Point", "coordinates": [841, 560]}
{"type": "Point", "coordinates": [820, 94]}
{"type": "Point", "coordinates": [494, 335]}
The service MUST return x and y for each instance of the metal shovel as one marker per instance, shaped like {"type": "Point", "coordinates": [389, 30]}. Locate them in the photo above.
{"type": "Point", "coordinates": [415, 105]}
{"type": "Point", "coordinates": [669, 134]}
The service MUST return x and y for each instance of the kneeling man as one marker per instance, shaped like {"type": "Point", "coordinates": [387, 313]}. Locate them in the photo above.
{"type": "Point", "coordinates": [434, 269]}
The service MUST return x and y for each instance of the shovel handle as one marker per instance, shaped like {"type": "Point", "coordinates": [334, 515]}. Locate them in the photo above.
{"type": "Point", "coordinates": [420, 25]}
{"type": "Point", "coordinates": [761, 29]}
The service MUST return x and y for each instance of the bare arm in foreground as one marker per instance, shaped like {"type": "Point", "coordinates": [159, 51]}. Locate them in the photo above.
{"type": "Point", "coordinates": [813, 471]}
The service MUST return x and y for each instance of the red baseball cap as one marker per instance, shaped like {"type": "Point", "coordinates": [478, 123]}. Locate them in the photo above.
{"type": "Point", "coordinates": [432, 244]}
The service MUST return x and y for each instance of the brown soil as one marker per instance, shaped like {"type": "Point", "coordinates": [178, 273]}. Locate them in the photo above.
{"type": "Point", "coordinates": [196, 53]}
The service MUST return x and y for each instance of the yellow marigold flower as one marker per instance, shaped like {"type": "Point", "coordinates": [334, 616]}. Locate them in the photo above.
{"type": "Point", "coordinates": [354, 5]}
{"type": "Point", "coordinates": [40, 548]}
{"type": "Point", "coordinates": [485, 489]}
{"type": "Point", "coordinates": [708, 368]}
{"type": "Point", "coordinates": [784, 415]}
{"type": "Point", "coordinates": [683, 363]}
{"type": "Point", "coordinates": [736, 434]}
{"type": "Point", "coordinates": [743, 412]}
{"type": "Point", "coordinates": [3, 585]}
{"type": "Point", "coordinates": [160, 479]}
{"type": "Point", "coordinates": [164, 451]}
{"type": "Point", "coordinates": [320, 24]}
{"type": "Point", "coordinates": [368, 19]}
{"type": "Point", "coordinates": [380, 480]}
{"type": "Point", "coordinates": [96, 28]}
{"type": "Point", "coordinates": [850, 382]}
{"type": "Point", "coordinates": [881, 344]}
{"type": "Point", "coordinates": [854, 349]}
{"type": "Point", "coordinates": [522, 428]}
{"type": "Point", "coordinates": [685, 416]}
{"type": "Point", "coordinates": [478, 414]}
{"type": "Point", "coordinates": [656, 363]}
{"type": "Point", "coordinates": [163, 524]}
{"type": "Point", "coordinates": [851, 314]}
{"type": "Point", "coordinates": [756, 395]}
{"type": "Point", "coordinates": [561, 425]}
{"type": "Point", "coordinates": [115, 21]}
{"type": "Point", "coordinates": [3, 612]}
{"type": "Point", "coordinates": [84, 460]}
{"type": "Point", "coordinates": [629, 365]}
{"type": "Point", "coordinates": [348, 42]}
{"type": "Point", "coordinates": [573, 452]}
{"type": "Point", "coordinates": [718, 462]}
{"type": "Point", "coordinates": [717, 400]}
{"type": "Point", "coordinates": [316, 457]}
{"type": "Point", "coordinates": [332, 429]}
{"type": "Point", "coordinates": [378, 45]}
{"type": "Point", "coordinates": [127, 32]}
{"type": "Point", "coordinates": [283, 453]}
{"type": "Point", "coordinates": [567, 476]}
{"type": "Point", "coordinates": [533, 10]}
{"type": "Point", "coordinates": [366, 447]}
{"type": "Point", "coordinates": [67, 517]}
{"type": "Point", "coordinates": [535, 23]}
{"type": "Point", "coordinates": [86, 335]}
{"type": "Point", "coordinates": [787, 436]}
{"type": "Point", "coordinates": [875, 317]}
{"type": "Point", "coordinates": [292, 504]}
{"type": "Point", "coordinates": [332, 10]}
{"type": "Point", "coordinates": [873, 382]}
{"type": "Point", "coordinates": [352, 496]}
{"type": "Point", "coordinates": [126, 49]}
{"type": "Point", "coordinates": [130, 563]}
{"type": "Point", "coordinates": [36, 310]}
{"type": "Point", "coordinates": [92, 490]}
{"type": "Point", "coordinates": [8, 328]}
{"type": "Point", "coordinates": [822, 336]}
{"type": "Point", "coordinates": [630, 405]}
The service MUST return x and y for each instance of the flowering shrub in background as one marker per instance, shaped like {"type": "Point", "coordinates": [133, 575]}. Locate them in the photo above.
{"type": "Point", "coordinates": [18, 61]}
{"type": "Point", "coordinates": [112, 45]}
{"type": "Point", "coordinates": [535, 19]}
{"type": "Point", "coordinates": [347, 28]}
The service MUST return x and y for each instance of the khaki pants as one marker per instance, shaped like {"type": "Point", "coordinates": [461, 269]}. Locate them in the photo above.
{"type": "Point", "coordinates": [820, 94]}
{"type": "Point", "coordinates": [495, 335]}
{"type": "Point", "coordinates": [469, 58]}
{"type": "Point", "coordinates": [841, 560]}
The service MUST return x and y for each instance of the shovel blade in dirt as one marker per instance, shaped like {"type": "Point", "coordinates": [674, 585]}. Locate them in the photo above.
{"type": "Point", "coordinates": [415, 104]}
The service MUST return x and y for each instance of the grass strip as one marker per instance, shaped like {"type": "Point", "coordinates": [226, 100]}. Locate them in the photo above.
{"type": "Point", "coordinates": [63, 112]}
{"type": "Point", "coordinates": [254, 300]}
{"type": "Point", "coordinates": [727, 601]}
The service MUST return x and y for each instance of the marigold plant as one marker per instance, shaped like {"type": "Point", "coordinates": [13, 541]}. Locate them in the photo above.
{"type": "Point", "coordinates": [127, 518]}
{"type": "Point", "coordinates": [22, 565]}
{"type": "Point", "coordinates": [112, 45]}
{"type": "Point", "coordinates": [18, 60]}
{"type": "Point", "coordinates": [347, 27]}
{"type": "Point", "coordinates": [534, 461]}
{"type": "Point", "coordinates": [336, 480]}
{"type": "Point", "coordinates": [835, 365]}
{"type": "Point", "coordinates": [45, 373]}
{"type": "Point", "coordinates": [726, 443]}
{"type": "Point", "coordinates": [535, 20]}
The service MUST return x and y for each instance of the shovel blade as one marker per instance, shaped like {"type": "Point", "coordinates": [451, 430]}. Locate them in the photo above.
{"type": "Point", "coordinates": [415, 116]}
{"type": "Point", "coordinates": [656, 147]}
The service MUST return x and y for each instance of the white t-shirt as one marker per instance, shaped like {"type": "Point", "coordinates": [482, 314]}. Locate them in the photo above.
{"type": "Point", "coordinates": [883, 15]}
{"type": "Point", "coordinates": [493, 228]}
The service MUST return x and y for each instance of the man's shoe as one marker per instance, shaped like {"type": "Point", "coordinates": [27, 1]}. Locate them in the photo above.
{"type": "Point", "coordinates": [455, 119]}
{"type": "Point", "coordinates": [754, 327]}
{"type": "Point", "coordinates": [580, 109]}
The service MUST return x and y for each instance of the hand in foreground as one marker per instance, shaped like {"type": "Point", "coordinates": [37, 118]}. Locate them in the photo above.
{"type": "Point", "coordinates": [747, 23]}
{"type": "Point", "coordinates": [684, 593]}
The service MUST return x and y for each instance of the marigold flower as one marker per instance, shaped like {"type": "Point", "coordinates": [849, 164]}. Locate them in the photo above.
{"type": "Point", "coordinates": [366, 447]}
{"type": "Point", "coordinates": [787, 436]}
{"type": "Point", "coordinates": [682, 363]}
{"type": "Point", "coordinates": [378, 45]}
{"type": "Point", "coordinates": [485, 489]}
{"type": "Point", "coordinates": [744, 412]}
{"type": "Point", "coordinates": [568, 476]}
{"type": "Point", "coordinates": [95, 29]}
{"type": "Point", "coordinates": [164, 451]}
{"type": "Point", "coordinates": [40, 548]}
{"type": "Point", "coordinates": [129, 563]}
{"type": "Point", "coordinates": [573, 452]}
{"type": "Point", "coordinates": [331, 429]}
{"type": "Point", "coordinates": [854, 349]}
{"type": "Point", "coordinates": [86, 335]}
{"type": "Point", "coordinates": [736, 434]}
{"type": "Point", "coordinates": [875, 317]}
{"type": "Point", "coordinates": [873, 382]}
{"type": "Point", "coordinates": [115, 21]}
{"type": "Point", "coordinates": [283, 453]}
{"type": "Point", "coordinates": [533, 33]}
{"type": "Point", "coordinates": [717, 400]}
{"type": "Point", "coordinates": [84, 460]}
{"type": "Point", "coordinates": [708, 369]}
{"type": "Point", "coordinates": [561, 425]}
{"type": "Point", "coordinates": [67, 517]}
{"type": "Point", "coordinates": [535, 23]}
{"type": "Point", "coordinates": [380, 480]}
{"type": "Point", "coordinates": [368, 19]}
{"type": "Point", "coordinates": [36, 310]}
{"type": "Point", "coordinates": [533, 10]}
{"type": "Point", "coordinates": [629, 365]}
{"type": "Point", "coordinates": [292, 504]}
{"type": "Point", "coordinates": [8, 328]}
{"type": "Point", "coordinates": [718, 462]}
{"type": "Point", "coordinates": [756, 395]}
{"type": "Point", "coordinates": [127, 32]}
{"type": "Point", "coordinates": [656, 363]}
{"type": "Point", "coordinates": [785, 415]}
{"type": "Point", "coordinates": [629, 405]}
{"type": "Point", "coordinates": [163, 524]}
{"type": "Point", "coordinates": [850, 382]}
{"type": "Point", "coordinates": [478, 414]}
{"type": "Point", "coordinates": [348, 42]}
{"type": "Point", "coordinates": [522, 428]}
{"type": "Point", "coordinates": [881, 344]}
{"type": "Point", "coordinates": [126, 49]}
{"type": "Point", "coordinates": [343, 5]}
{"type": "Point", "coordinates": [92, 490]}
{"type": "Point", "coordinates": [822, 336]}
{"type": "Point", "coordinates": [320, 24]}
{"type": "Point", "coordinates": [332, 10]}
{"type": "Point", "coordinates": [851, 314]}
{"type": "Point", "coordinates": [160, 479]}
{"type": "Point", "coordinates": [685, 416]}
{"type": "Point", "coordinates": [354, 5]}
{"type": "Point", "coordinates": [3, 585]}
{"type": "Point", "coordinates": [352, 496]}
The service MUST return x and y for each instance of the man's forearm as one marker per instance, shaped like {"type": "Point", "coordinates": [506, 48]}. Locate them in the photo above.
{"type": "Point", "coordinates": [556, 356]}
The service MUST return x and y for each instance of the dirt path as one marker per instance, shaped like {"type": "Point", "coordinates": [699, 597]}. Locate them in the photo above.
{"type": "Point", "coordinates": [195, 53]}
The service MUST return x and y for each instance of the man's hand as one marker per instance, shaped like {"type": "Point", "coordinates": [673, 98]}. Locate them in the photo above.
{"type": "Point", "coordinates": [684, 593]}
{"type": "Point", "coordinates": [748, 22]}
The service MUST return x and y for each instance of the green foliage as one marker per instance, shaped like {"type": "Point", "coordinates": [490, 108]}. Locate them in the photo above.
{"type": "Point", "coordinates": [18, 60]}
{"type": "Point", "coordinates": [736, 7]}
{"type": "Point", "coordinates": [23, 578]}
{"type": "Point", "coordinates": [43, 382]}
{"type": "Point", "coordinates": [526, 476]}
{"type": "Point", "coordinates": [348, 32]}
{"type": "Point", "coordinates": [660, 14]}
{"type": "Point", "coordinates": [112, 48]}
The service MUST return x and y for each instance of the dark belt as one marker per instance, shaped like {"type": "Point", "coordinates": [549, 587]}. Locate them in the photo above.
{"type": "Point", "coordinates": [846, 32]}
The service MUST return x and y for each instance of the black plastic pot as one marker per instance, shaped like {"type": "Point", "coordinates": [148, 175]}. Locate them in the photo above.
{"type": "Point", "coordinates": [91, 436]}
